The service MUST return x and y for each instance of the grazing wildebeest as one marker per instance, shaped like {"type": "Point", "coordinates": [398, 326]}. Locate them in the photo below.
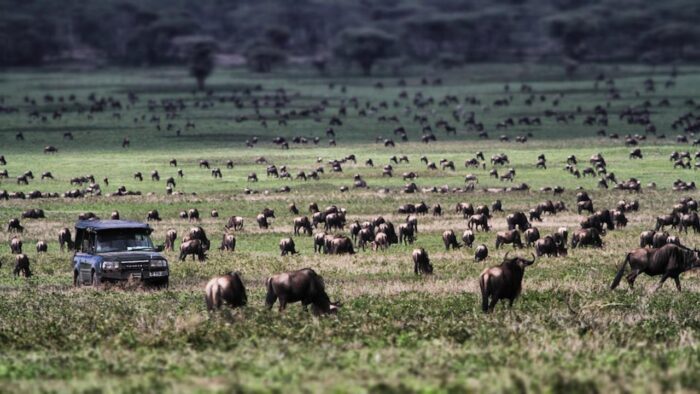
{"type": "Point", "coordinates": [193, 214]}
{"type": "Point", "coordinates": [421, 262]}
{"type": "Point", "coordinates": [519, 220]}
{"type": "Point", "coordinates": [15, 245]}
{"type": "Point", "coordinates": [42, 247]}
{"type": "Point", "coordinates": [659, 239]}
{"type": "Point", "coordinates": [227, 289]}
{"type": "Point", "coordinates": [228, 243]}
{"type": "Point", "coordinates": [287, 247]}
{"type": "Point", "coordinates": [204, 164]}
{"type": "Point", "coordinates": [304, 224]}
{"type": "Point", "coordinates": [481, 253]}
{"type": "Point", "coordinates": [182, 215]}
{"type": "Point", "coordinates": [22, 266]}
{"type": "Point", "coordinates": [293, 208]}
{"type": "Point", "coordinates": [365, 236]}
{"type": "Point", "coordinates": [584, 206]}
{"type": "Point", "coordinates": [508, 237]}
{"type": "Point", "coordinates": [13, 225]}
{"type": "Point", "coordinates": [234, 222]}
{"type": "Point", "coordinates": [194, 247]}
{"type": "Point", "coordinates": [304, 285]}
{"type": "Point", "coordinates": [437, 210]}
{"type": "Point", "coordinates": [381, 241]}
{"type": "Point", "coordinates": [47, 175]}
{"type": "Point", "coordinates": [34, 213]}
{"type": "Point", "coordinates": [468, 238]}
{"type": "Point", "coordinates": [198, 232]}
{"type": "Point", "coordinates": [666, 220]}
{"type": "Point", "coordinates": [586, 237]}
{"type": "Point", "coordinates": [502, 282]}
{"type": "Point", "coordinates": [115, 215]}
{"type": "Point", "coordinates": [450, 240]}
{"type": "Point", "coordinates": [670, 261]}
{"type": "Point", "coordinates": [153, 216]}
{"type": "Point", "coordinates": [50, 149]}
{"type": "Point", "coordinates": [406, 233]}
{"type": "Point", "coordinates": [550, 246]}
{"type": "Point", "coordinates": [562, 235]}
{"type": "Point", "coordinates": [262, 221]}
{"type": "Point", "coordinates": [338, 245]}
{"type": "Point", "coordinates": [138, 175]}
{"type": "Point", "coordinates": [155, 176]}
{"type": "Point", "coordinates": [478, 220]}
{"type": "Point", "coordinates": [531, 236]}
{"type": "Point", "coordinates": [214, 213]}
{"type": "Point", "coordinates": [170, 237]}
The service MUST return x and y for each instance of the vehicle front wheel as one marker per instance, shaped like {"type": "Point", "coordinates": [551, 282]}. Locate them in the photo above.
{"type": "Point", "coordinates": [76, 279]}
{"type": "Point", "coordinates": [96, 281]}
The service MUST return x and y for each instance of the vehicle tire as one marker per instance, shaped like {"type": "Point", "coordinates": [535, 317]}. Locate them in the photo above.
{"type": "Point", "coordinates": [76, 279]}
{"type": "Point", "coordinates": [96, 281]}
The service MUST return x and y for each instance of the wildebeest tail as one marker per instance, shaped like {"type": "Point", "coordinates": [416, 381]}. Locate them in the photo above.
{"type": "Point", "coordinates": [483, 284]}
{"type": "Point", "coordinates": [271, 296]}
{"type": "Point", "coordinates": [620, 272]}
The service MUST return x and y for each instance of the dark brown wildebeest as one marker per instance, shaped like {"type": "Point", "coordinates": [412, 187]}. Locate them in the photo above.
{"type": "Point", "coordinates": [481, 253]}
{"type": "Point", "coordinates": [64, 239]}
{"type": "Point", "coordinates": [170, 237]}
{"type": "Point", "coordinates": [670, 261]}
{"type": "Point", "coordinates": [155, 176]}
{"type": "Point", "coordinates": [228, 243]}
{"type": "Point", "coordinates": [15, 245]}
{"type": "Point", "coordinates": [304, 224]}
{"type": "Point", "coordinates": [421, 262]}
{"type": "Point", "coordinates": [407, 208]}
{"type": "Point", "coordinates": [194, 247]}
{"type": "Point", "coordinates": [406, 233]}
{"type": "Point", "coordinates": [182, 215]}
{"type": "Point", "coordinates": [381, 241]}
{"type": "Point", "coordinates": [646, 238]}
{"type": "Point", "coordinates": [126, 142]}
{"type": "Point", "coordinates": [584, 206]}
{"type": "Point", "coordinates": [586, 237]}
{"type": "Point", "coordinates": [660, 239]}
{"type": "Point", "coordinates": [689, 220]}
{"type": "Point", "coordinates": [234, 222]}
{"type": "Point", "coordinates": [479, 220]}
{"type": "Point", "coordinates": [262, 221]}
{"type": "Point", "coordinates": [22, 266]}
{"type": "Point", "coordinates": [562, 235]}
{"type": "Point", "coordinates": [519, 220]}
{"type": "Point", "coordinates": [170, 182]}
{"type": "Point", "coordinates": [153, 216]}
{"type": "Point", "coordinates": [535, 214]}
{"type": "Point", "coordinates": [227, 289]}
{"type": "Point", "coordinates": [335, 220]}
{"type": "Point", "coordinates": [13, 225]}
{"type": "Point", "coordinates": [467, 209]}
{"type": "Point", "coordinates": [115, 215]}
{"type": "Point", "coordinates": [229, 164]}
{"type": "Point", "coordinates": [193, 214]}
{"type": "Point", "coordinates": [502, 282]}
{"type": "Point", "coordinates": [252, 177]}
{"type": "Point", "coordinates": [497, 206]}
{"type": "Point", "coordinates": [365, 236]}
{"type": "Point", "coordinates": [138, 175]}
{"type": "Point", "coordinates": [50, 149]}
{"type": "Point", "coordinates": [354, 228]}
{"type": "Point", "coordinates": [338, 245]}
{"type": "Point", "coordinates": [204, 164]}
{"type": "Point", "coordinates": [47, 175]}
{"type": "Point", "coordinates": [619, 218]}
{"type": "Point", "coordinates": [320, 243]}
{"type": "Point", "coordinates": [42, 247]}
{"type": "Point", "coordinates": [636, 154]}
{"type": "Point", "coordinates": [173, 162]}
{"type": "Point", "coordinates": [666, 220]}
{"type": "Point", "coordinates": [437, 210]}
{"type": "Point", "coordinates": [468, 238]}
{"type": "Point", "coordinates": [450, 240]}
{"type": "Point", "coordinates": [216, 173]}
{"type": "Point", "coordinates": [198, 232]}
{"type": "Point", "coordinates": [214, 213]}
{"type": "Point", "coordinates": [531, 236]}
{"type": "Point", "coordinates": [293, 208]}
{"type": "Point", "coordinates": [388, 229]}
{"type": "Point", "coordinates": [508, 237]}
{"type": "Point", "coordinates": [34, 213]}
{"type": "Point", "coordinates": [550, 246]}
{"type": "Point", "coordinates": [287, 247]}
{"type": "Point", "coordinates": [304, 285]}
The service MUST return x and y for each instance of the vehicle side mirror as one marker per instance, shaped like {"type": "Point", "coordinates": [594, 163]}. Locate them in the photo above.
{"type": "Point", "coordinates": [160, 248]}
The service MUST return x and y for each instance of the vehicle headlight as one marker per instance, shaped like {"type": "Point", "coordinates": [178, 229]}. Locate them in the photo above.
{"type": "Point", "coordinates": [110, 265]}
{"type": "Point", "coordinates": [159, 263]}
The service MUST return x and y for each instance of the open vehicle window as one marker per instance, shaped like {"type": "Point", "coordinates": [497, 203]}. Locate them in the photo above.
{"type": "Point", "coordinates": [123, 240]}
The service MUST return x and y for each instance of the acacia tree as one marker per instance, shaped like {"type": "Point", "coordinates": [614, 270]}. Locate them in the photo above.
{"type": "Point", "coordinates": [364, 46]}
{"type": "Point", "coordinates": [201, 62]}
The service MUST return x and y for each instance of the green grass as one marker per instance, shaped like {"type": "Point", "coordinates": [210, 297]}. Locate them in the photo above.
{"type": "Point", "coordinates": [395, 332]}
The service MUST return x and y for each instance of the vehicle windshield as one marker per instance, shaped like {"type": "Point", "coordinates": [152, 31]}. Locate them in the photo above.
{"type": "Point", "coordinates": [123, 240]}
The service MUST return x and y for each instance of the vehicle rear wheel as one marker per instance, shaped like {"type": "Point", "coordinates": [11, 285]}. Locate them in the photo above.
{"type": "Point", "coordinates": [96, 281]}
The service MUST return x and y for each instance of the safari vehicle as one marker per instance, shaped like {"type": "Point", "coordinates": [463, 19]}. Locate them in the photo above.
{"type": "Point", "coordinates": [117, 250]}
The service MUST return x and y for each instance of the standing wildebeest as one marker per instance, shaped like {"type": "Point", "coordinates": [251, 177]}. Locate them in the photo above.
{"type": "Point", "coordinates": [227, 289]}
{"type": "Point", "coordinates": [468, 238]}
{"type": "Point", "coordinates": [192, 247]}
{"type": "Point", "coordinates": [669, 261]}
{"type": "Point", "coordinates": [666, 220]}
{"type": "Point", "coordinates": [531, 236]}
{"type": "Point", "coordinates": [550, 246]}
{"type": "Point", "coordinates": [287, 247]}
{"type": "Point", "coordinates": [34, 213]}
{"type": "Point", "coordinates": [50, 149]}
{"type": "Point", "coordinates": [170, 237]}
{"type": "Point", "coordinates": [502, 282]}
{"type": "Point", "coordinates": [320, 243]}
{"type": "Point", "coordinates": [689, 220]}
{"type": "Point", "coordinates": [22, 265]}
{"type": "Point", "coordinates": [193, 214]}
{"type": "Point", "coordinates": [659, 239]}
{"type": "Point", "coordinates": [304, 224]}
{"type": "Point", "coordinates": [42, 247]}
{"type": "Point", "coordinates": [304, 285]}
{"type": "Point", "coordinates": [508, 237]}
{"type": "Point", "coordinates": [64, 239]}
{"type": "Point", "coordinates": [519, 220]}
{"type": "Point", "coordinates": [228, 243]}
{"type": "Point", "coordinates": [16, 245]}
{"type": "Point", "coordinates": [421, 262]}
{"type": "Point", "coordinates": [214, 213]}
{"type": "Point", "coordinates": [365, 236]}
{"type": "Point", "coordinates": [293, 209]}
{"type": "Point", "coordinates": [234, 222]}
{"type": "Point", "coordinates": [381, 241]}
{"type": "Point", "coordinates": [586, 237]}
{"type": "Point", "coordinates": [584, 206]}
{"type": "Point", "coordinates": [13, 225]}
{"type": "Point", "coordinates": [646, 238]}
{"type": "Point", "coordinates": [262, 221]}
{"type": "Point", "coordinates": [153, 215]}
{"type": "Point", "coordinates": [479, 220]}
{"type": "Point", "coordinates": [406, 233]}
{"type": "Point", "coordinates": [450, 239]}
{"type": "Point", "coordinates": [115, 215]}
{"type": "Point", "coordinates": [481, 253]}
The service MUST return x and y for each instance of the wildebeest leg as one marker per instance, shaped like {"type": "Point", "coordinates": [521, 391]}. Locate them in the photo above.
{"type": "Point", "coordinates": [415, 268]}
{"type": "Point", "coordinates": [283, 304]}
{"type": "Point", "coordinates": [631, 277]}
{"type": "Point", "coordinates": [661, 282]}
{"type": "Point", "coordinates": [492, 304]}
{"type": "Point", "coordinates": [678, 282]}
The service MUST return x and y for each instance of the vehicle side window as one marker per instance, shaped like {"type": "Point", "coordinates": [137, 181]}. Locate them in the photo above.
{"type": "Point", "coordinates": [88, 243]}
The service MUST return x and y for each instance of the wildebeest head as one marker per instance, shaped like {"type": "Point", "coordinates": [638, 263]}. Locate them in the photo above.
{"type": "Point", "coordinates": [521, 262]}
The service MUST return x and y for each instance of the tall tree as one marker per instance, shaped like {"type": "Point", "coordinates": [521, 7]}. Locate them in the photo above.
{"type": "Point", "coordinates": [201, 62]}
{"type": "Point", "coordinates": [364, 46]}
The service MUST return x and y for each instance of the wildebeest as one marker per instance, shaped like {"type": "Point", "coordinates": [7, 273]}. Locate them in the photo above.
{"type": "Point", "coordinates": [198, 232]}
{"type": "Point", "coordinates": [478, 220]}
{"type": "Point", "coordinates": [34, 213]}
{"type": "Point", "coordinates": [193, 214]}
{"type": "Point", "coordinates": [42, 247]}
{"type": "Point", "coordinates": [22, 266]}
{"type": "Point", "coordinates": [508, 237]}
{"type": "Point", "coordinates": [262, 221]}
{"type": "Point", "coordinates": [586, 237]}
{"type": "Point", "coordinates": [586, 205]}
{"type": "Point", "coordinates": [13, 225]}
{"type": "Point", "coordinates": [192, 247]}
{"type": "Point", "coordinates": [659, 239]}
{"type": "Point", "coordinates": [15, 245]}
{"type": "Point", "coordinates": [302, 223]}
{"type": "Point", "coordinates": [304, 285]}
{"type": "Point", "coordinates": [468, 238]}
{"type": "Point", "coordinates": [170, 237]}
{"type": "Point", "coordinates": [406, 233]}
{"type": "Point", "coordinates": [115, 215]}
{"type": "Point", "coordinates": [365, 236]}
{"type": "Point", "coordinates": [338, 245]}
{"type": "Point", "coordinates": [531, 235]}
{"type": "Point", "coordinates": [421, 262]}
{"type": "Point", "coordinates": [646, 238]}
{"type": "Point", "coordinates": [153, 215]}
{"type": "Point", "coordinates": [234, 222]}
{"type": "Point", "coordinates": [64, 239]}
{"type": "Point", "coordinates": [481, 253]}
{"type": "Point", "coordinates": [666, 220]}
{"type": "Point", "coordinates": [287, 247]}
{"type": "Point", "coordinates": [689, 220]}
{"type": "Point", "coordinates": [450, 240]}
{"type": "Point", "coordinates": [519, 220]}
{"type": "Point", "coordinates": [502, 282]}
{"type": "Point", "coordinates": [381, 241]}
{"type": "Point", "coordinates": [550, 246]}
{"type": "Point", "coordinates": [228, 243]}
{"type": "Point", "coordinates": [227, 289]}
{"type": "Point", "coordinates": [670, 261]}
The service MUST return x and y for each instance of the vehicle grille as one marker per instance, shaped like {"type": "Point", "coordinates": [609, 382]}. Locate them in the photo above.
{"type": "Point", "coordinates": [134, 265]}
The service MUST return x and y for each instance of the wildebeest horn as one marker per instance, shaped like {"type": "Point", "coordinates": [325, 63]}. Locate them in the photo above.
{"type": "Point", "coordinates": [533, 259]}
{"type": "Point", "coordinates": [506, 256]}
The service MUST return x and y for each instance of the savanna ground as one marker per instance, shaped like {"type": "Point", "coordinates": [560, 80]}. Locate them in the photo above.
{"type": "Point", "coordinates": [395, 332]}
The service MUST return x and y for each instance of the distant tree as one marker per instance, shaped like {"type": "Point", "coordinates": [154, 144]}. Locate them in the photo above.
{"type": "Point", "coordinates": [262, 57]}
{"type": "Point", "coordinates": [201, 62]}
{"type": "Point", "coordinates": [277, 36]}
{"type": "Point", "coordinates": [669, 41]}
{"type": "Point", "coordinates": [571, 33]}
{"type": "Point", "coordinates": [364, 46]}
